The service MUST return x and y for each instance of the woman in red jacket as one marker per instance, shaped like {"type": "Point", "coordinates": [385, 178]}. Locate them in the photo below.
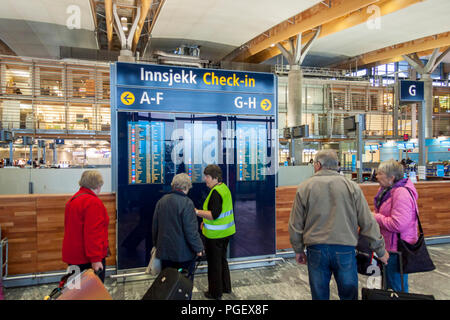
{"type": "Point", "coordinates": [86, 226]}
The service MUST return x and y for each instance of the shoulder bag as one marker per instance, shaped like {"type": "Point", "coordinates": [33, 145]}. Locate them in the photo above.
{"type": "Point", "coordinates": [154, 266]}
{"type": "Point", "coordinates": [415, 257]}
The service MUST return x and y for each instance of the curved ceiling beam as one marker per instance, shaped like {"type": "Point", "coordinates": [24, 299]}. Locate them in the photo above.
{"type": "Point", "coordinates": [399, 58]}
{"type": "Point", "coordinates": [145, 7]}
{"type": "Point", "coordinates": [109, 22]}
{"type": "Point", "coordinates": [419, 45]}
{"type": "Point", "coordinates": [353, 19]}
{"type": "Point", "coordinates": [304, 21]}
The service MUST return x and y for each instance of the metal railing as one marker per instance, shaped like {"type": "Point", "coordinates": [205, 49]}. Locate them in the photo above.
{"type": "Point", "coordinates": [39, 95]}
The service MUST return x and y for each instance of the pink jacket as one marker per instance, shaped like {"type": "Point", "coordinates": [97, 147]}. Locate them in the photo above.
{"type": "Point", "coordinates": [398, 215]}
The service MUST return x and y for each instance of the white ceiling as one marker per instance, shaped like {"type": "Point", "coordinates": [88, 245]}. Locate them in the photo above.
{"type": "Point", "coordinates": [416, 21]}
{"type": "Point", "coordinates": [227, 22]}
{"type": "Point", "coordinates": [47, 11]}
{"type": "Point", "coordinates": [219, 26]}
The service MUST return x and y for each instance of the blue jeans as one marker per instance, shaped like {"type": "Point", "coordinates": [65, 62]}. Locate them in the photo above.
{"type": "Point", "coordinates": [325, 260]}
{"type": "Point", "coordinates": [393, 277]}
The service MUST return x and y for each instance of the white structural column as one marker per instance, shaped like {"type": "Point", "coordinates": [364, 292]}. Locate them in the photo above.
{"type": "Point", "coordinates": [426, 71]}
{"type": "Point", "coordinates": [295, 57]}
{"type": "Point", "coordinates": [413, 76]}
{"type": "Point", "coordinates": [126, 54]}
{"type": "Point", "coordinates": [36, 80]}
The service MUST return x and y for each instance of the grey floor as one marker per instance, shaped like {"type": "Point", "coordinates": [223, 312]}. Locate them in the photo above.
{"type": "Point", "coordinates": [286, 280]}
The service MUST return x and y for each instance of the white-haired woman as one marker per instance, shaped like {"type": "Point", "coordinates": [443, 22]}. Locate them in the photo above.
{"type": "Point", "coordinates": [86, 222]}
{"type": "Point", "coordinates": [395, 212]}
{"type": "Point", "coordinates": [175, 229]}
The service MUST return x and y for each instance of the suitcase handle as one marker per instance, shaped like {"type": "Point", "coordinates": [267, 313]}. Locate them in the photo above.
{"type": "Point", "coordinates": [383, 273]}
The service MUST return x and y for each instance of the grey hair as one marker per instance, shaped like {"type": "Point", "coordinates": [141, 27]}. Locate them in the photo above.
{"type": "Point", "coordinates": [181, 182]}
{"type": "Point", "coordinates": [328, 159]}
{"type": "Point", "coordinates": [392, 168]}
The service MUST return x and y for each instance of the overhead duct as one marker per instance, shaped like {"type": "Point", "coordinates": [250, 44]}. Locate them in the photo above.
{"type": "Point", "coordinates": [177, 59]}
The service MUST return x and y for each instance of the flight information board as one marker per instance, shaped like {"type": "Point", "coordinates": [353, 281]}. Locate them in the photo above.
{"type": "Point", "coordinates": [251, 146]}
{"type": "Point", "coordinates": [145, 152]}
{"type": "Point", "coordinates": [201, 148]}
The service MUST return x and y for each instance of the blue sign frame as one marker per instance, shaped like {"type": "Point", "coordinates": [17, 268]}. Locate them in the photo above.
{"type": "Point", "coordinates": [140, 87]}
{"type": "Point", "coordinates": [238, 96]}
{"type": "Point", "coordinates": [411, 91]}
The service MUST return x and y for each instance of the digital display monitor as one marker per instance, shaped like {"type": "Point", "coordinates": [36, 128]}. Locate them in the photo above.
{"type": "Point", "coordinates": [251, 151]}
{"type": "Point", "coordinates": [145, 152]}
{"type": "Point", "coordinates": [200, 148]}
{"type": "Point", "coordinates": [350, 123]}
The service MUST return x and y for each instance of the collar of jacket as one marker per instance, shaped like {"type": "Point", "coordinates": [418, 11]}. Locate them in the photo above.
{"type": "Point", "coordinates": [181, 193]}
{"type": "Point", "coordinates": [326, 172]}
{"type": "Point", "coordinates": [86, 190]}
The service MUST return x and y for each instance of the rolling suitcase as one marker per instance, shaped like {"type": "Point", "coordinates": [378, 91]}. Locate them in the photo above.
{"type": "Point", "coordinates": [85, 286]}
{"type": "Point", "coordinates": [384, 294]}
{"type": "Point", "coordinates": [171, 284]}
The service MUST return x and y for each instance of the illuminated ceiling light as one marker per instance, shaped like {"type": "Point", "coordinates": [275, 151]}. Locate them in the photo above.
{"type": "Point", "coordinates": [124, 22]}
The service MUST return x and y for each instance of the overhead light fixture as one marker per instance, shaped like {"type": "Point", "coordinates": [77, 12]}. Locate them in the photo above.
{"type": "Point", "coordinates": [124, 22]}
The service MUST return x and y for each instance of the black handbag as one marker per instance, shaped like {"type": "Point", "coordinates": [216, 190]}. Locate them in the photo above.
{"type": "Point", "coordinates": [415, 257]}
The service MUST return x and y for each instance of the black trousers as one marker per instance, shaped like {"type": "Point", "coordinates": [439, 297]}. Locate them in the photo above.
{"type": "Point", "coordinates": [219, 280]}
{"type": "Point", "coordinates": [101, 275]}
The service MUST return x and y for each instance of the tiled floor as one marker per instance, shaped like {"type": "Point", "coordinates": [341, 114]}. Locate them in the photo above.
{"type": "Point", "coordinates": [286, 280]}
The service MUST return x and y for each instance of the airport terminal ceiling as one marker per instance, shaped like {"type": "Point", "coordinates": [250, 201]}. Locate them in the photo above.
{"type": "Point", "coordinates": [240, 31]}
{"type": "Point", "coordinates": [57, 86]}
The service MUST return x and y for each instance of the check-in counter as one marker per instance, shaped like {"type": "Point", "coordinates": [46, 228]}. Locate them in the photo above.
{"type": "Point", "coordinates": [34, 224]}
{"type": "Point", "coordinates": [434, 208]}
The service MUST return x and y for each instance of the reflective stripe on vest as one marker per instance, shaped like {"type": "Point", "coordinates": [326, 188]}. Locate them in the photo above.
{"type": "Point", "coordinates": [225, 214]}
{"type": "Point", "coordinates": [218, 227]}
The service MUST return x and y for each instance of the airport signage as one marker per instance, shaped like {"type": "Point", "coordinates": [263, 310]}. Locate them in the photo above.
{"type": "Point", "coordinates": [146, 87]}
{"type": "Point", "coordinates": [411, 91]}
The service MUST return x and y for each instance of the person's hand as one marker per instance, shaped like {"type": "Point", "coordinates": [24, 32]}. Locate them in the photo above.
{"type": "Point", "coordinates": [97, 266]}
{"type": "Point", "coordinates": [385, 258]}
{"type": "Point", "coordinates": [301, 258]}
{"type": "Point", "coordinates": [199, 254]}
{"type": "Point", "coordinates": [201, 226]}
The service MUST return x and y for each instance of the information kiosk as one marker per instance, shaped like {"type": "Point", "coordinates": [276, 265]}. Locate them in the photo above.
{"type": "Point", "coordinates": [167, 120]}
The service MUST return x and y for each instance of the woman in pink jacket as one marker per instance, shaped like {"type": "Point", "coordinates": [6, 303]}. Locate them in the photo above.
{"type": "Point", "coordinates": [395, 212]}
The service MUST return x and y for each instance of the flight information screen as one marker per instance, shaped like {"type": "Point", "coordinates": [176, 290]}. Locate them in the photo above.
{"type": "Point", "coordinates": [251, 145]}
{"type": "Point", "coordinates": [145, 152]}
{"type": "Point", "coordinates": [201, 148]}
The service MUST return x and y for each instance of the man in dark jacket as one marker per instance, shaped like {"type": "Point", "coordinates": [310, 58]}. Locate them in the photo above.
{"type": "Point", "coordinates": [175, 229]}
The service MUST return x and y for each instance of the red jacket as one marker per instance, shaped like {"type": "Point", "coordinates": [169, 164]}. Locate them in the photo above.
{"type": "Point", "coordinates": [85, 229]}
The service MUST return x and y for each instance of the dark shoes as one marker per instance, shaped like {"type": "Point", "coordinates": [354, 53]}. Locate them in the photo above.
{"type": "Point", "coordinates": [209, 296]}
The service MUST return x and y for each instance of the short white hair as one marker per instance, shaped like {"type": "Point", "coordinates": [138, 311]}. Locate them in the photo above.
{"type": "Point", "coordinates": [392, 168]}
{"type": "Point", "coordinates": [328, 159]}
{"type": "Point", "coordinates": [181, 182]}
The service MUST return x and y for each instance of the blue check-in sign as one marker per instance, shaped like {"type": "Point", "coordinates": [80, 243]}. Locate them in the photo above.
{"type": "Point", "coordinates": [411, 91]}
{"type": "Point", "coordinates": [179, 89]}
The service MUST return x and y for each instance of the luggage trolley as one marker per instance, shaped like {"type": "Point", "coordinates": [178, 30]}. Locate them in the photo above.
{"type": "Point", "coordinates": [3, 265]}
{"type": "Point", "coordinates": [3, 258]}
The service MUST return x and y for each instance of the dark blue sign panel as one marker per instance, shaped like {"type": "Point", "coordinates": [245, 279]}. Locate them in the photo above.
{"type": "Point", "coordinates": [411, 91]}
{"type": "Point", "coordinates": [143, 87]}
{"type": "Point", "coordinates": [157, 76]}
{"type": "Point", "coordinates": [168, 120]}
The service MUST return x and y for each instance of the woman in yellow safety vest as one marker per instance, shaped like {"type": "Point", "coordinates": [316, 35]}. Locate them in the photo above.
{"type": "Point", "coordinates": [218, 227]}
